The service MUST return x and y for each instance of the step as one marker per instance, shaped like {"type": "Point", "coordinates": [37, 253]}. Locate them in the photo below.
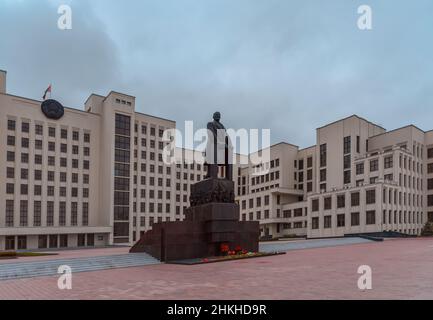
{"type": "Point", "coordinates": [50, 267]}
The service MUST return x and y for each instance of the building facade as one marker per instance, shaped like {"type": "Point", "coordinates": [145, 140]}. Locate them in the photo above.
{"type": "Point", "coordinates": [92, 178]}
{"type": "Point", "coordinates": [97, 177]}
{"type": "Point", "coordinates": [358, 178]}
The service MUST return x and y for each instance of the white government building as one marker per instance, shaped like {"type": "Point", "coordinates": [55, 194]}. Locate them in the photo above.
{"type": "Point", "coordinates": [96, 177]}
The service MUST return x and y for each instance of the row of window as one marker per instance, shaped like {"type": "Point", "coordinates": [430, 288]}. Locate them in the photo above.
{"type": "Point", "coordinates": [370, 219]}
{"type": "Point", "coordinates": [370, 198]}
{"type": "Point", "coordinates": [10, 174]}
{"type": "Point", "coordinates": [38, 145]}
{"type": "Point", "coordinates": [37, 214]}
{"type": "Point", "coordinates": [299, 164]}
{"type": "Point", "coordinates": [48, 241]}
{"type": "Point", "coordinates": [51, 161]}
{"type": "Point", "coordinates": [401, 198]}
{"type": "Point", "coordinates": [259, 201]}
{"type": "Point", "coordinates": [257, 217]}
{"type": "Point", "coordinates": [37, 190]}
{"type": "Point", "coordinates": [152, 130]}
{"type": "Point", "coordinates": [39, 130]}
{"type": "Point", "coordinates": [391, 217]}
{"type": "Point", "coordinates": [265, 178]}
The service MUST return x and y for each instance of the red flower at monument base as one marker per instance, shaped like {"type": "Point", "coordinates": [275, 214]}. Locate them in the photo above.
{"type": "Point", "coordinates": [238, 249]}
{"type": "Point", "coordinates": [224, 248]}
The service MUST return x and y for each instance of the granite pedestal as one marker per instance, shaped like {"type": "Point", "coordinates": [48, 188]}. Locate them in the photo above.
{"type": "Point", "coordinates": [212, 220]}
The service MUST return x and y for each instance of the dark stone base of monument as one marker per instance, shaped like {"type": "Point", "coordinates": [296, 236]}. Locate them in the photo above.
{"type": "Point", "coordinates": [207, 225]}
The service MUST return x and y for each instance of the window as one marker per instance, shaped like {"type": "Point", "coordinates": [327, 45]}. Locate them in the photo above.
{"type": "Point", "coordinates": [354, 219]}
{"type": "Point", "coordinates": [358, 146]}
{"type": "Point", "coordinates": [297, 212]}
{"type": "Point", "coordinates": [341, 220]}
{"type": "Point", "coordinates": [75, 135]}
{"type": "Point", "coordinates": [24, 158]}
{"type": "Point", "coordinates": [62, 213]}
{"type": "Point", "coordinates": [25, 127]}
{"type": "Point", "coordinates": [123, 126]}
{"type": "Point", "coordinates": [10, 188]}
{"type": "Point", "coordinates": [301, 164]}
{"type": "Point", "coordinates": [11, 125]}
{"type": "Point", "coordinates": [10, 156]}
{"type": "Point", "coordinates": [347, 145]}
{"type": "Point", "coordinates": [354, 199]}
{"type": "Point", "coordinates": [309, 162]}
{"type": "Point", "coordinates": [25, 143]}
{"type": "Point", "coordinates": [38, 144]}
{"type": "Point", "coordinates": [315, 205]}
{"type": "Point", "coordinates": [346, 161]}
{"type": "Point", "coordinates": [42, 242]}
{"type": "Point", "coordinates": [52, 132]}
{"type": "Point", "coordinates": [327, 222]}
{"type": "Point", "coordinates": [430, 200]}
{"type": "Point", "coordinates": [63, 241]}
{"type": "Point", "coordinates": [85, 217]}
{"type": "Point", "coordinates": [341, 201]}
{"type": "Point", "coordinates": [371, 217]}
{"type": "Point", "coordinates": [22, 242]}
{"type": "Point", "coordinates": [258, 202]}
{"type": "Point", "coordinates": [388, 177]}
{"type": "Point", "coordinates": [9, 213]}
{"type": "Point", "coordinates": [10, 140]}
{"type": "Point", "coordinates": [374, 165]}
{"type": "Point", "coordinates": [23, 213]}
{"type": "Point", "coordinates": [323, 155]}
{"type": "Point", "coordinates": [346, 177]}
{"type": "Point", "coordinates": [430, 153]}
{"type": "Point", "coordinates": [39, 129]}
{"type": "Point", "coordinates": [327, 203]}
{"type": "Point", "coordinates": [315, 223]}
{"type": "Point", "coordinates": [10, 173]}
{"type": "Point", "coordinates": [370, 196]}
{"type": "Point", "coordinates": [388, 162]}
{"type": "Point", "coordinates": [322, 175]}
{"type": "Point", "coordinates": [74, 214]}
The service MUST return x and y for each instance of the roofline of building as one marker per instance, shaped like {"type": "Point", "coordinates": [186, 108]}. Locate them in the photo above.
{"type": "Point", "coordinates": [93, 94]}
{"type": "Point", "coordinates": [313, 146]}
{"type": "Point", "coordinates": [156, 117]}
{"type": "Point", "coordinates": [351, 116]}
{"type": "Point", "coordinates": [282, 142]}
{"type": "Point", "coordinates": [404, 127]}
{"type": "Point", "coordinates": [39, 102]}
{"type": "Point", "coordinates": [121, 93]}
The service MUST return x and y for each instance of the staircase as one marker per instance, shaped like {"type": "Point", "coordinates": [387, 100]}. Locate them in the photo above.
{"type": "Point", "coordinates": [49, 268]}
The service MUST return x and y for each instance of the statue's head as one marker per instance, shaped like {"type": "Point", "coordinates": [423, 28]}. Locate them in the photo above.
{"type": "Point", "coordinates": [217, 116]}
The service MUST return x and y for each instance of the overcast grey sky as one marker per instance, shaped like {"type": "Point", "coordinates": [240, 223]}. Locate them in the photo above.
{"type": "Point", "coordinates": [290, 66]}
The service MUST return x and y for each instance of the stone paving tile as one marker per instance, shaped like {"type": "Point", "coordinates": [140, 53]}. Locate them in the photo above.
{"type": "Point", "coordinates": [402, 269]}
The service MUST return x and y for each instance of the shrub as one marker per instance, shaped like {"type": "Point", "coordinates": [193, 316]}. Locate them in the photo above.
{"type": "Point", "coordinates": [8, 254]}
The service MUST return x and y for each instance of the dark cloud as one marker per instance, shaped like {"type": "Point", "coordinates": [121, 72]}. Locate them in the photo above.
{"type": "Point", "coordinates": [291, 66]}
{"type": "Point", "coordinates": [36, 53]}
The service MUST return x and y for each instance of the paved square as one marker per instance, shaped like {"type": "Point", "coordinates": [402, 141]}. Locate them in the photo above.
{"type": "Point", "coordinates": [402, 269]}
